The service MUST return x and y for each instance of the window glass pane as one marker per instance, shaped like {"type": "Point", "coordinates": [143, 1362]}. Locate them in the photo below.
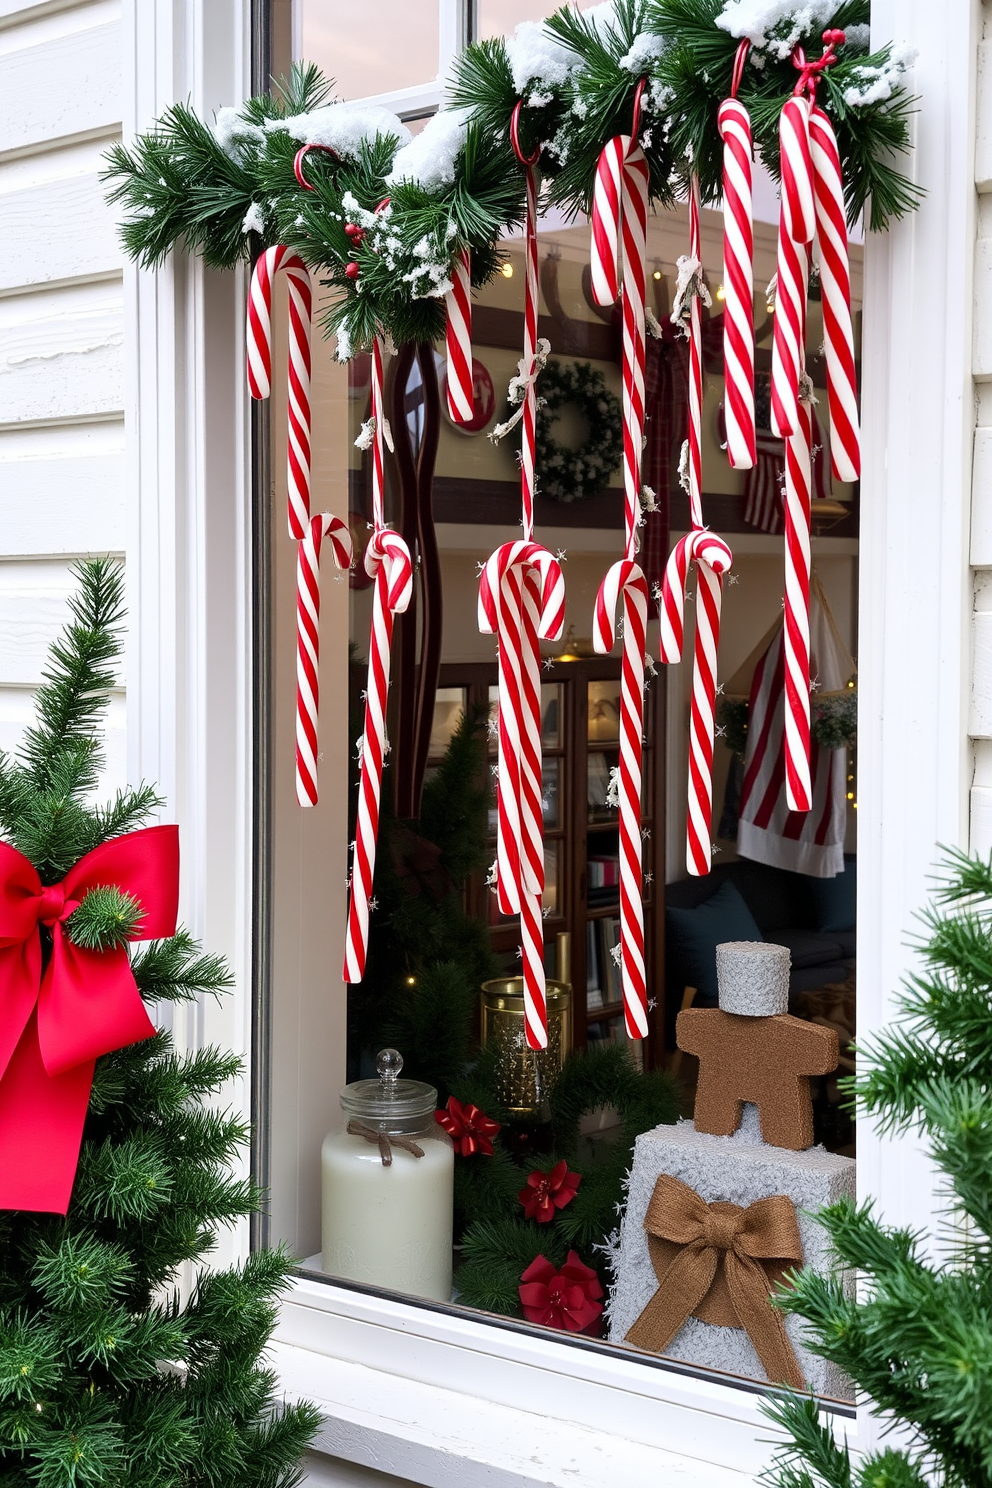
{"type": "Point", "coordinates": [449, 709]}
{"type": "Point", "coordinates": [551, 715]}
{"type": "Point", "coordinates": [549, 792]}
{"type": "Point", "coordinates": [370, 48]}
{"type": "Point", "coordinates": [499, 17]}
{"type": "Point", "coordinates": [604, 710]}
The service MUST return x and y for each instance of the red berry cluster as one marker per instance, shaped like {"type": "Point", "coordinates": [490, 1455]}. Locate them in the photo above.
{"type": "Point", "coordinates": [356, 234]}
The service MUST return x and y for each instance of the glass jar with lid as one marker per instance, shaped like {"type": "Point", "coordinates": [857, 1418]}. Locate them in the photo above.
{"type": "Point", "coordinates": [388, 1175]}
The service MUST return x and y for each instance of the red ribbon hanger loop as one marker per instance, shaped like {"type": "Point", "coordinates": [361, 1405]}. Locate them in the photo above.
{"type": "Point", "coordinates": [810, 72]}
{"type": "Point", "coordinates": [301, 155]}
{"type": "Point", "coordinates": [738, 72]}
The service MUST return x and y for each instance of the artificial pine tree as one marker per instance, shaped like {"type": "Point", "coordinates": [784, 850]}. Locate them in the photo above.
{"type": "Point", "coordinates": [108, 1377]}
{"type": "Point", "coordinates": [918, 1339]}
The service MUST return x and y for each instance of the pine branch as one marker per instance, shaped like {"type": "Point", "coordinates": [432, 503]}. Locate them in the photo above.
{"type": "Point", "coordinates": [105, 918]}
{"type": "Point", "coordinates": [174, 971]}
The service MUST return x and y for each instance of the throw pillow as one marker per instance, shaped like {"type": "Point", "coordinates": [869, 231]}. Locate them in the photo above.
{"type": "Point", "coordinates": [835, 900]}
{"type": "Point", "coordinates": [696, 933]}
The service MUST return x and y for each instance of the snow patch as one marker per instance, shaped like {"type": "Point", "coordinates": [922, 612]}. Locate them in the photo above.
{"type": "Point", "coordinates": [536, 56]}
{"type": "Point", "coordinates": [759, 19]}
{"type": "Point", "coordinates": [342, 127]}
{"type": "Point", "coordinates": [429, 158]}
{"type": "Point", "coordinates": [254, 220]}
{"type": "Point", "coordinates": [646, 49]}
{"type": "Point", "coordinates": [876, 84]}
{"type": "Point", "coordinates": [233, 133]}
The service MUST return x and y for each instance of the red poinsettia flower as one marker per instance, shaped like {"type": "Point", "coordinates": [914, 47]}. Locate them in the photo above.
{"type": "Point", "coordinates": [470, 1129]}
{"type": "Point", "coordinates": [562, 1299]}
{"type": "Point", "coordinates": [546, 1192]}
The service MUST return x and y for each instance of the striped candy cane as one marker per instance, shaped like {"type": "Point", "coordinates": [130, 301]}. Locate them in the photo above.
{"type": "Point", "coordinates": [531, 301]}
{"type": "Point", "coordinates": [796, 228]}
{"type": "Point", "coordinates": [738, 282]}
{"type": "Point", "coordinates": [458, 340]}
{"type": "Point", "coordinates": [619, 237]}
{"type": "Point", "coordinates": [712, 558]}
{"type": "Point", "coordinates": [625, 582]}
{"type": "Point", "coordinates": [835, 290]}
{"type": "Point", "coordinates": [308, 642]}
{"type": "Point", "coordinates": [619, 240]}
{"type": "Point", "coordinates": [388, 561]}
{"type": "Point", "coordinates": [522, 600]}
{"type": "Point", "coordinates": [387, 558]}
{"type": "Point", "coordinates": [798, 484]}
{"type": "Point", "coordinates": [259, 341]}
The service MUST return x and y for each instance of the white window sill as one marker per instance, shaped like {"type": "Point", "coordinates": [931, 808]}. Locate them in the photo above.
{"type": "Point", "coordinates": [451, 1402]}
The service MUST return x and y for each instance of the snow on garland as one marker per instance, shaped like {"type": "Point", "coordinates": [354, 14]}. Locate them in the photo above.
{"type": "Point", "coordinates": [229, 189]}
{"type": "Point", "coordinates": [570, 474]}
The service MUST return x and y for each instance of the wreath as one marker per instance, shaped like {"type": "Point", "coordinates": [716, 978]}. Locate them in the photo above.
{"type": "Point", "coordinates": [570, 474]}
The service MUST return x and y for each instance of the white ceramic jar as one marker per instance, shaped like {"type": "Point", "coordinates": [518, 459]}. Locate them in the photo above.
{"type": "Point", "coordinates": [387, 1187]}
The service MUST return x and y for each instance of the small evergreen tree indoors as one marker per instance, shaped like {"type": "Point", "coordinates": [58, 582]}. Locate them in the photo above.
{"type": "Point", "coordinates": [106, 1376]}
{"type": "Point", "coordinates": [918, 1340]}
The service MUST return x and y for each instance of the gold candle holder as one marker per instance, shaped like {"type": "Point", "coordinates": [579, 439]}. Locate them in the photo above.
{"type": "Point", "coordinates": [525, 1077]}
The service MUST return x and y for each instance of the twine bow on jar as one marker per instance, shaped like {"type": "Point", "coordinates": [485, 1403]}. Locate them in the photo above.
{"type": "Point", "coordinates": [386, 1141]}
{"type": "Point", "coordinates": [719, 1262]}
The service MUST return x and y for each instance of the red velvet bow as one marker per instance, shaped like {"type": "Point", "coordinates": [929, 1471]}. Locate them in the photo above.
{"type": "Point", "coordinates": [55, 1025]}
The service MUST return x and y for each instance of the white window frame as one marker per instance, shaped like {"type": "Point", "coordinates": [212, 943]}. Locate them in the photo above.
{"type": "Point", "coordinates": [434, 1395]}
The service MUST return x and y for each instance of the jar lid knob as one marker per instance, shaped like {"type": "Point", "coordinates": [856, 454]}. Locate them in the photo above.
{"type": "Point", "coordinates": [388, 1064]}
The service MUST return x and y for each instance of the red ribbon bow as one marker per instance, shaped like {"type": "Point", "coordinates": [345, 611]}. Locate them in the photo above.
{"type": "Point", "coordinates": [55, 1023]}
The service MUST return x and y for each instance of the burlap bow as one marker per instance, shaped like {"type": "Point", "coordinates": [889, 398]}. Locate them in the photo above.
{"type": "Point", "coordinates": [719, 1262]}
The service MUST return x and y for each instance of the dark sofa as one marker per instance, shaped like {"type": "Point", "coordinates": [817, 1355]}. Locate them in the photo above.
{"type": "Point", "coordinates": [788, 909]}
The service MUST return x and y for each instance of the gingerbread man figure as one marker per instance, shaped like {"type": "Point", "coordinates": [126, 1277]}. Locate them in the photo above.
{"type": "Point", "coordinates": [763, 1056]}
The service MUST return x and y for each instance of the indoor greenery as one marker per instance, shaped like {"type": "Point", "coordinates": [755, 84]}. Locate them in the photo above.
{"type": "Point", "coordinates": [108, 1374]}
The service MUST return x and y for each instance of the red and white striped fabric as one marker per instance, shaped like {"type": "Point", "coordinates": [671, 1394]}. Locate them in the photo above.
{"type": "Point", "coordinates": [458, 340]}
{"type": "Point", "coordinates": [308, 642]}
{"type": "Point", "coordinates": [522, 601]}
{"type": "Point", "coordinates": [764, 484]}
{"type": "Point", "coordinates": [798, 482]}
{"type": "Point", "coordinates": [810, 842]}
{"type": "Point", "coordinates": [712, 559]}
{"type": "Point", "coordinates": [388, 561]}
{"type": "Point", "coordinates": [625, 582]}
{"type": "Point", "coordinates": [738, 283]}
{"type": "Point", "coordinates": [259, 345]}
{"type": "Point", "coordinates": [835, 294]}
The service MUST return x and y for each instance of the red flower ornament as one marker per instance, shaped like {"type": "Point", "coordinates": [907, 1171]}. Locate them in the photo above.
{"type": "Point", "coordinates": [470, 1129]}
{"type": "Point", "coordinates": [547, 1192]}
{"type": "Point", "coordinates": [566, 1299]}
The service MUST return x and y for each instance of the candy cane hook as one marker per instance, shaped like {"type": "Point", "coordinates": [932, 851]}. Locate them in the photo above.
{"type": "Point", "coordinates": [259, 347]}
{"type": "Point", "coordinates": [308, 642]}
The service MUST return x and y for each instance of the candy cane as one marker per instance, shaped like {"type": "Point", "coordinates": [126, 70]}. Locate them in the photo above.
{"type": "Point", "coordinates": [531, 300]}
{"type": "Point", "coordinates": [835, 291]}
{"type": "Point", "coordinates": [695, 367]}
{"type": "Point", "coordinates": [388, 561]}
{"type": "Point", "coordinates": [796, 229]}
{"type": "Point", "coordinates": [522, 600]}
{"type": "Point", "coordinates": [738, 283]}
{"type": "Point", "coordinates": [798, 484]}
{"type": "Point", "coordinates": [713, 559]}
{"type": "Point", "coordinates": [387, 558]}
{"type": "Point", "coordinates": [259, 341]}
{"type": "Point", "coordinates": [625, 581]}
{"type": "Point", "coordinates": [308, 642]}
{"type": "Point", "coordinates": [619, 238]}
{"type": "Point", "coordinates": [458, 340]}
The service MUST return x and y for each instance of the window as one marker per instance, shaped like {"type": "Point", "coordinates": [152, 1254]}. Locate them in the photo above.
{"type": "Point", "coordinates": [309, 1038]}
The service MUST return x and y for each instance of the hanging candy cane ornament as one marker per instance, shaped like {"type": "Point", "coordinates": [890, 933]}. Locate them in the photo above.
{"type": "Point", "coordinates": [738, 279]}
{"type": "Point", "coordinates": [619, 240]}
{"type": "Point", "coordinates": [388, 561]}
{"type": "Point", "coordinates": [835, 295]}
{"type": "Point", "coordinates": [308, 642]}
{"type": "Point", "coordinates": [796, 229]}
{"type": "Point", "coordinates": [458, 340]}
{"type": "Point", "coordinates": [798, 489]}
{"type": "Point", "coordinates": [713, 559]}
{"type": "Point", "coordinates": [625, 582]}
{"type": "Point", "coordinates": [259, 339]}
{"type": "Point", "coordinates": [522, 601]}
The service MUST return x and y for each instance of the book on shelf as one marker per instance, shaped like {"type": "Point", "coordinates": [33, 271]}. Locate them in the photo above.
{"type": "Point", "coordinates": [614, 1031]}
{"type": "Point", "coordinates": [604, 872]}
{"type": "Point", "coordinates": [594, 990]}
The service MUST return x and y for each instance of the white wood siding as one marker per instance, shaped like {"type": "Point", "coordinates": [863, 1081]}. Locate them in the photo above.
{"type": "Point", "coordinates": [61, 333]}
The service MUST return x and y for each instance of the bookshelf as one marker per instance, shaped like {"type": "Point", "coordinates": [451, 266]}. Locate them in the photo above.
{"type": "Point", "coordinates": [580, 716]}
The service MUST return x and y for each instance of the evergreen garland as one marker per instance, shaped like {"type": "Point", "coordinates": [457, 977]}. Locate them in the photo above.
{"type": "Point", "coordinates": [229, 191]}
{"type": "Point", "coordinates": [106, 1375]}
{"type": "Point", "coordinates": [918, 1337]}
